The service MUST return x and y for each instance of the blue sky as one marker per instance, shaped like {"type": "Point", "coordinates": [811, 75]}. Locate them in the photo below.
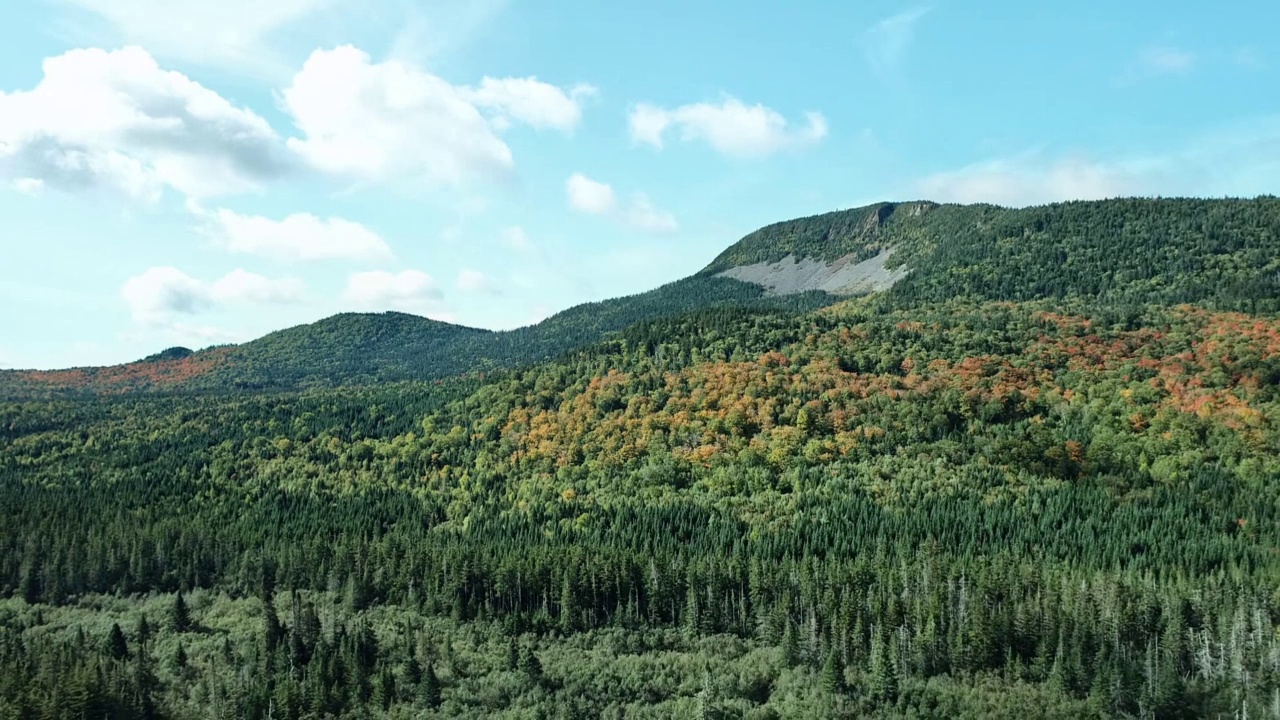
{"type": "Point", "coordinates": [180, 172]}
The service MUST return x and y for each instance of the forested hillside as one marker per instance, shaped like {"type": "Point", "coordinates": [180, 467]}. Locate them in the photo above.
{"type": "Point", "coordinates": [1000, 489]}
{"type": "Point", "coordinates": [365, 349]}
{"type": "Point", "coordinates": [1220, 254]}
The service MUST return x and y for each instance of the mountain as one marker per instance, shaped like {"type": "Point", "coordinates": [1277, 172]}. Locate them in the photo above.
{"type": "Point", "coordinates": [1219, 253]}
{"type": "Point", "coordinates": [1222, 254]}
{"type": "Point", "coordinates": [1037, 469]}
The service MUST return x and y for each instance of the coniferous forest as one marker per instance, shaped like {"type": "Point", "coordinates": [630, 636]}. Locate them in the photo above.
{"type": "Point", "coordinates": [1035, 478]}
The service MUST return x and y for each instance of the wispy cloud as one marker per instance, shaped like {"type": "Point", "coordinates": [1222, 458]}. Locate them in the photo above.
{"type": "Point", "coordinates": [1155, 61]}
{"type": "Point", "coordinates": [1241, 160]}
{"type": "Point", "coordinates": [1248, 57]}
{"type": "Point", "coordinates": [886, 43]}
{"type": "Point", "coordinates": [591, 197]}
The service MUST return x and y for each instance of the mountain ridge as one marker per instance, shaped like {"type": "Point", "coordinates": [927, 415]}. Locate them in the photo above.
{"type": "Point", "coordinates": [1222, 253]}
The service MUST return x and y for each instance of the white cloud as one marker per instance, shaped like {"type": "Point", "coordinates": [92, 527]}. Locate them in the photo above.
{"type": "Point", "coordinates": [886, 43]}
{"type": "Point", "coordinates": [226, 32]}
{"type": "Point", "coordinates": [534, 103]}
{"type": "Point", "coordinates": [239, 286]}
{"type": "Point", "coordinates": [411, 291]}
{"type": "Point", "coordinates": [159, 295]}
{"type": "Point", "coordinates": [28, 185]}
{"type": "Point", "coordinates": [117, 120]}
{"type": "Point", "coordinates": [1029, 180]}
{"type": "Point", "coordinates": [515, 238]}
{"type": "Point", "coordinates": [441, 27]}
{"type": "Point", "coordinates": [1239, 161]}
{"type": "Point", "coordinates": [474, 281]}
{"type": "Point", "coordinates": [1166, 60]}
{"type": "Point", "coordinates": [643, 216]}
{"type": "Point", "coordinates": [597, 198]}
{"type": "Point", "coordinates": [298, 237]}
{"type": "Point", "coordinates": [590, 197]}
{"type": "Point", "coordinates": [731, 127]}
{"type": "Point", "coordinates": [1157, 61]}
{"type": "Point", "coordinates": [383, 121]}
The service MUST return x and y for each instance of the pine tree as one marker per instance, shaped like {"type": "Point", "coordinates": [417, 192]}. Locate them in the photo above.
{"type": "Point", "coordinates": [31, 590]}
{"type": "Point", "coordinates": [178, 662]}
{"type": "Point", "coordinates": [790, 645]}
{"type": "Point", "coordinates": [179, 615]}
{"type": "Point", "coordinates": [142, 631]}
{"type": "Point", "coordinates": [530, 665]}
{"type": "Point", "coordinates": [272, 631]}
{"type": "Point", "coordinates": [833, 672]}
{"type": "Point", "coordinates": [429, 690]}
{"type": "Point", "coordinates": [513, 655]}
{"type": "Point", "coordinates": [883, 678]}
{"type": "Point", "coordinates": [116, 646]}
{"type": "Point", "coordinates": [384, 689]}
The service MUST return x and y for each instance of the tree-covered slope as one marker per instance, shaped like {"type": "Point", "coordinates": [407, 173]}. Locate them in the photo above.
{"type": "Point", "coordinates": [1219, 254]}
{"type": "Point", "coordinates": [861, 511]}
{"type": "Point", "coordinates": [362, 349]}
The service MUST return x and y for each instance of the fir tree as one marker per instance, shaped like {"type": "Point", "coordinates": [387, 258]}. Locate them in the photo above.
{"type": "Point", "coordinates": [179, 614]}
{"type": "Point", "coordinates": [429, 690]}
{"type": "Point", "coordinates": [116, 646]}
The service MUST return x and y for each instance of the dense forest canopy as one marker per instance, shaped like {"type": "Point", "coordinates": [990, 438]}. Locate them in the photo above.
{"type": "Point", "coordinates": [1037, 478]}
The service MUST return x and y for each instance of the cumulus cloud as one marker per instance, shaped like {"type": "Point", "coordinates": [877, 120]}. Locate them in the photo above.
{"type": "Point", "coordinates": [160, 295]}
{"type": "Point", "coordinates": [474, 281]}
{"type": "Point", "coordinates": [730, 127]}
{"type": "Point", "coordinates": [297, 237]}
{"type": "Point", "coordinates": [886, 43]}
{"type": "Point", "coordinates": [1239, 161]}
{"type": "Point", "coordinates": [531, 102]}
{"type": "Point", "coordinates": [392, 120]}
{"type": "Point", "coordinates": [116, 120]}
{"type": "Point", "coordinates": [227, 32]}
{"type": "Point", "coordinates": [592, 197]}
{"type": "Point", "coordinates": [410, 291]}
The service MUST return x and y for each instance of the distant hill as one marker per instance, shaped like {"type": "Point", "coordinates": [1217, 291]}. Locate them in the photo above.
{"type": "Point", "coordinates": [364, 349]}
{"type": "Point", "coordinates": [1220, 254]}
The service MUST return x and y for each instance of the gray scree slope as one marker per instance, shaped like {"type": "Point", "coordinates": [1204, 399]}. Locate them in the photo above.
{"type": "Point", "coordinates": [842, 277]}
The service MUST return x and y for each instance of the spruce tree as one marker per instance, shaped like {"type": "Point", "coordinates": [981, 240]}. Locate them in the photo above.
{"type": "Point", "coordinates": [833, 673]}
{"type": "Point", "coordinates": [116, 646]}
{"type": "Point", "coordinates": [429, 690]}
{"type": "Point", "coordinates": [179, 614]}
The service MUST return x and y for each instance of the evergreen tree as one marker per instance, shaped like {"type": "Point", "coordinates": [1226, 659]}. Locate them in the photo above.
{"type": "Point", "coordinates": [530, 665]}
{"type": "Point", "coordinates": [178, 662]}
{"type": "Point", "coordinates": [833, 672]}
{"type": "Point", "coordinates": [179, 614]}
{"type": "Point", "coordinates": [31, 589]}
{"type": "Point", "coordinates": [116, 646]}
{"type": "Point", "coordinates": [429, 690]}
